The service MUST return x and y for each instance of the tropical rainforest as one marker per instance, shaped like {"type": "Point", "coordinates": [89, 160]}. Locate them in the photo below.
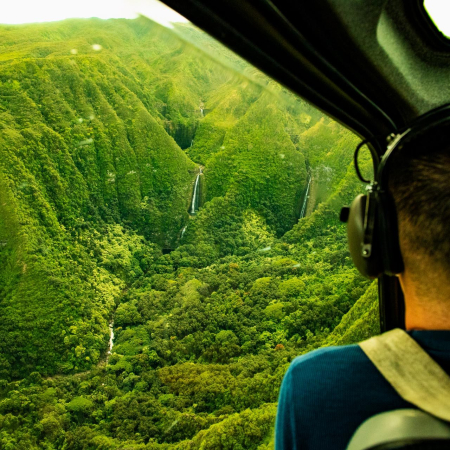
{"type": "Point", "coordinates": [169, 239]}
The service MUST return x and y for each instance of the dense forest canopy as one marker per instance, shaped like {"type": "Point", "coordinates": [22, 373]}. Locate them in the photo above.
{"type": "Point", "coordinates": [108, 130]}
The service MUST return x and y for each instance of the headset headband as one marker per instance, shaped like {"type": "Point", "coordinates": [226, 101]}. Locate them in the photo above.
{"type": "Point", "coordinates": [372, 226]}
{"type": "Point", "coordinates": [427, 121]}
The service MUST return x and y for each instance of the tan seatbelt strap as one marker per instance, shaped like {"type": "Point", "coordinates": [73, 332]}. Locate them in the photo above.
{"type": "Point", "coordinates": [410, 371]}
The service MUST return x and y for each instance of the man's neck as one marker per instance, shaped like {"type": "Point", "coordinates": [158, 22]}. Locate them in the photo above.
{"type": "Point", "coordinates": [421, 319]}
{"type": "Point", "coordinates": [425, 309]}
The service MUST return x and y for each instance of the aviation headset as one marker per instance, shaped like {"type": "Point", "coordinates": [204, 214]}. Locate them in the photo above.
{"type": "Point", "coordinates": [372, 227]}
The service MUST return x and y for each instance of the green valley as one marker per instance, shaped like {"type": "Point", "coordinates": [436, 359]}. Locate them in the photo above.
{"type": "Point", "coordinates": [108, 130]}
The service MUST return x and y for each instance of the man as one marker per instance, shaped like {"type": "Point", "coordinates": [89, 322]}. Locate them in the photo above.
{"type": "Point", "coordinates": [328, 393]}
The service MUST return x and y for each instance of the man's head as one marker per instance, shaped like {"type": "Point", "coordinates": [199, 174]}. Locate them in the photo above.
{"type": "Point", "coordinates": [419, 180]}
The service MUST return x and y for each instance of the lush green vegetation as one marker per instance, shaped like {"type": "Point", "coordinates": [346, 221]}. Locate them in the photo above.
{"type": "Point", "coordinates": [99, 150]}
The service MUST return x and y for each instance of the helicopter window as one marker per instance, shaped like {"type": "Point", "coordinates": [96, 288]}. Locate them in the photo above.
{"type": "Point", "coordinates": [439, 13]}
{"type": "Point", "coordinates": [169, 233]}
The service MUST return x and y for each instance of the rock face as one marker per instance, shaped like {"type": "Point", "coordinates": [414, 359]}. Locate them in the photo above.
{"type": "Point", "coordinates": [183, 133]}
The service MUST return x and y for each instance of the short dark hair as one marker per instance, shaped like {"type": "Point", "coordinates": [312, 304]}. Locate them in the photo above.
{"type": "Point", "coordinates": [419, 180]}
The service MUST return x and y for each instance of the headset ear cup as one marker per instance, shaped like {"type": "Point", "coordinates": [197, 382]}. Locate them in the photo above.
{"type": "Point", "coordinates": [389, 235]}
{"type": "Point", "coordinates": [369, 265]}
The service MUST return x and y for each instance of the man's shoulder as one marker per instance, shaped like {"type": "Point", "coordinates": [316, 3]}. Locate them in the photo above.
{"type": "Point", "coordinates": [337, 370]}
{"type": "Point", "coordinates": [326, 394]}
{"type": "Point", "coordinates": [331, 360]}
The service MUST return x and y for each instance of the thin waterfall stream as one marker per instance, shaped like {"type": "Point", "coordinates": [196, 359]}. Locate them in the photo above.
{"type": "Point", "coordinates": [195, 202]}
{"type": "Point", "coordinates": [111, 339]}
{"type": "Point", "coordinates": [305, 201]}
{"type": "Point", "coordinates": [195, 196]}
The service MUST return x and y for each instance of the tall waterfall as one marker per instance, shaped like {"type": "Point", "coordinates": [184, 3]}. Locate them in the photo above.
{"type": "Point", "coordinates": [194, 205]}
{"type": "Point", "coordinates": [305, 201]}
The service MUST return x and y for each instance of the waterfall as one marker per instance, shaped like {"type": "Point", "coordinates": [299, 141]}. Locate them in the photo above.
{"type": "Point", "coordinates": [201, 112]}
{"type": "Point", "coordinates": [195, 195]}
{"type": "Point", "coordinates": [183, 231]}
{"type": "Point", "coordinates": [111, 336]}
{"type": "Point", "coordinates": [305, 201]}
{"type": "Point", "coordinates": [194, 205]}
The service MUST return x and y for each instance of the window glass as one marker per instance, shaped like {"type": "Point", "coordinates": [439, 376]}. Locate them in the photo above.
{"type": "Point", "coordinates": [169, 233]}
{"type": "Point", "coordinates": [439, 13]}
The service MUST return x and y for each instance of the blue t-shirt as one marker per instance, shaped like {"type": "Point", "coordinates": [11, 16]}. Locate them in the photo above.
{"type": "Point", "coordinates": [328, 393]}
